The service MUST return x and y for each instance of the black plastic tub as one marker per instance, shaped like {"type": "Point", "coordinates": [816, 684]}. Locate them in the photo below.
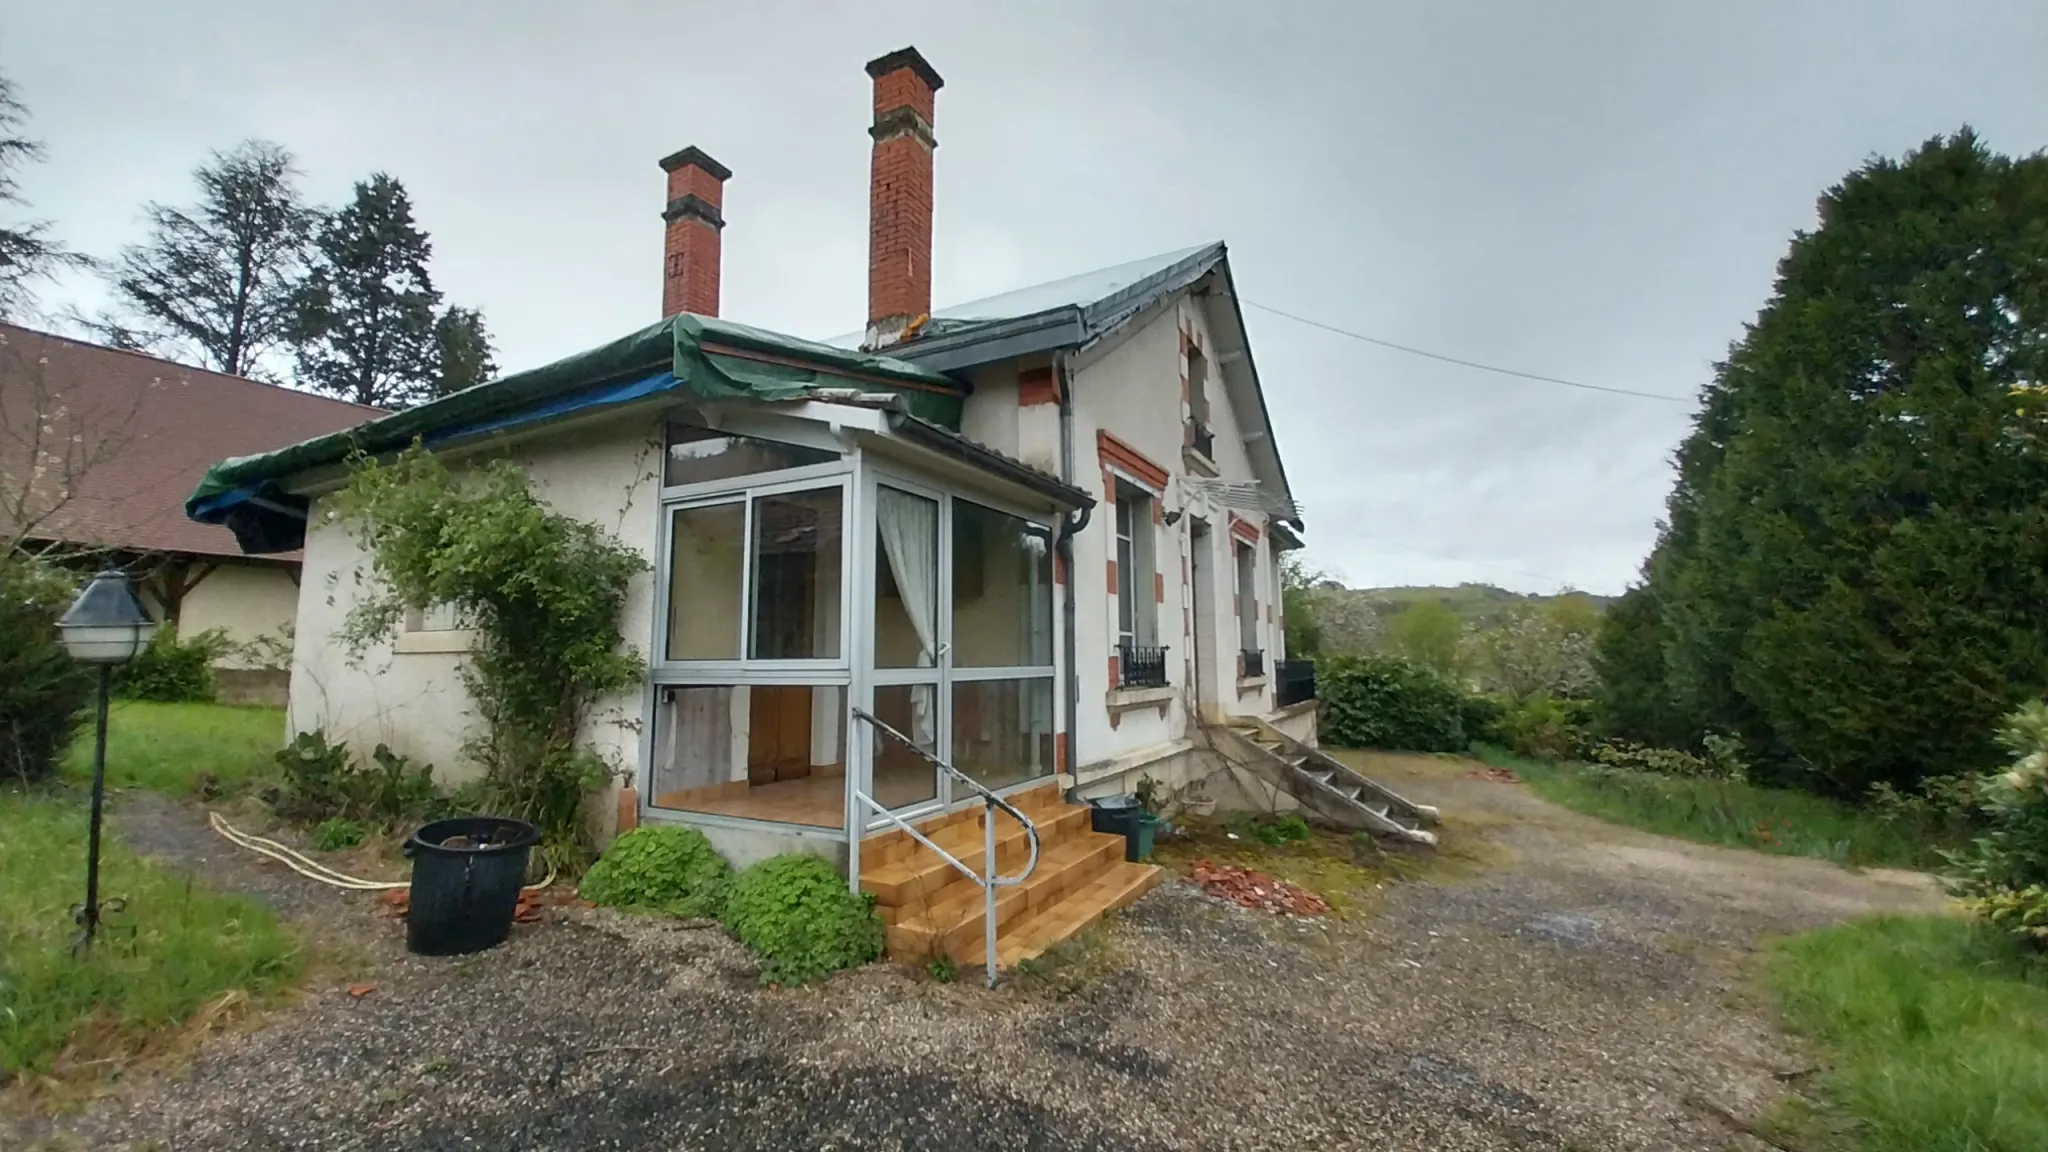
{"type": "Point", "coordinates": [466, 876]}
{"type": "Point", "coordinates": [1118, 816]}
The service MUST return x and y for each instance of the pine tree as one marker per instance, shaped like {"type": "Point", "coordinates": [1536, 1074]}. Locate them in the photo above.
{"type": "Point", "coordinates": [1856, 559]}
{"type": "Point", "coordinates": [365, 316]}
{"type": "Point", "coordinates": [462, 349]}
{"type": "Point", "coordinates": [215, 281]}
{"type": "Point", "coordinates": [27, 252]}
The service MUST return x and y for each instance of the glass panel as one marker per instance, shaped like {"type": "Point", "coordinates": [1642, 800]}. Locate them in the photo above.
{"type": "Point", "coordinates": [1002, 730]}
{"type": "Point", "coordinates": [1002, 590]}
{"type": "Point", "coordinates": [697, 454]}
{"type": "Point", "coordinates": [704, 565]}
{"type": "Point", "coordinates": [902, 777]}
{"type": "Point", "coordinates": [796, 551]}
{"type": "Point", "coordinates": [759, 752]}
{"type": "Point", "coordinates": [906, 557]}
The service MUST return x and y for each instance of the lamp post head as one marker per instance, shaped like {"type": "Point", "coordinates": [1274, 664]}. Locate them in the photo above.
{"type": "Point", "coordinates": [107, 623]}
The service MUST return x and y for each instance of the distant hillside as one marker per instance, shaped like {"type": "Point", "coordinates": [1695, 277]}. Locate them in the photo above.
{"type": "Point", "coordinates": [1478, 605]}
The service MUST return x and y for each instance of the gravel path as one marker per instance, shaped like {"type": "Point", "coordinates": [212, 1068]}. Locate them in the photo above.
{"type": "Point", "coordinates": [1583, 990]}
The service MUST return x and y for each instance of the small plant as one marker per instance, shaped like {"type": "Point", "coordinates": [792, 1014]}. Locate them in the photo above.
{"type": "Point", "coordinates": [660, 868]}
{"type": "Point", "coordinates": [1273, 831]}
{"type": "Point", "coordinates": [322, 781]}
{"type": "Point", "coordinates": [1631, 757]}
{"type": "Point", "coordinates": [1151, 794]}
{"type": "Point", "coordinates": [173, 669]}
{"type": "Point", "coordinates": [338, 833]}
{"type": "Point", "coordinates": [942, 969]}
{"type": "Point", "coordinates": [797, 914]}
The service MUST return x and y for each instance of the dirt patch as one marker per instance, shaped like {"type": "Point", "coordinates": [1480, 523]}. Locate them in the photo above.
{"type": "Point", "coordinates": [1560, 984]}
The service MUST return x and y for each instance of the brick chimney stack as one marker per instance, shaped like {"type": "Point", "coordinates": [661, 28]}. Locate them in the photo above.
{"type": "Point", "coordinates": [689, 272]}
{"type": "Point", "coordinates": [900, 195]}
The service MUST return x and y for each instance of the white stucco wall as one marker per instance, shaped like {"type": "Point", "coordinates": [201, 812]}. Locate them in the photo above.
{"type": "Point", "coordinates": [1132, 388]}
{"type": "Point", "coordinates": [414, 700]}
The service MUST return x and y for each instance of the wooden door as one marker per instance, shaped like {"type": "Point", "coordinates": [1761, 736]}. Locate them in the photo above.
{"type": "Point", "coordinates": [778, 733]}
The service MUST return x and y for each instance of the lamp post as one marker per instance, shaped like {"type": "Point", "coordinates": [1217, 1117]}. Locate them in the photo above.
{"type": "Point", "coordinates": [106, 626]}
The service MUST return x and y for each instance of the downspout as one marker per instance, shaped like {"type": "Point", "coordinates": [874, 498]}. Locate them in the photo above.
{"type": "Point", "coordinates": [1064, 545]}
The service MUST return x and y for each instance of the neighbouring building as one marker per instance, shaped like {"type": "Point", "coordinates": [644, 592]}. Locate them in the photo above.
{"type": "Point", "coordinates": [1036, 534]}
{"type": "Point", "coordinates": [98, 447]}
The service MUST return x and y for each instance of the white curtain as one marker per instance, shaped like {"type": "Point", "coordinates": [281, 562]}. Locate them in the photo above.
{"type": "Point", "coordinates": [909, 527]}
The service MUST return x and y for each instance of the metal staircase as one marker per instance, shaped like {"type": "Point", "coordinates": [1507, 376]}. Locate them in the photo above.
{"type": "Point", "coordinates": [1324, 784]}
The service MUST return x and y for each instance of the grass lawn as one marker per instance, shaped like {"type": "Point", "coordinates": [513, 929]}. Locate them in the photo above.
{"type": "Point", "coordinates": [1934, 1032]}
{"type": "Point", "coordinates": [167, 747]}
{"type": "Point", "coordinates": [1725, 812]}
{"type": "Point", "coordinates": [175, 952]}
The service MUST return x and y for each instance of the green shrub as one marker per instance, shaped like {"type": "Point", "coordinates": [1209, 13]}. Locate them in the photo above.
{"type": "Point", "coordinates": [172, 670]}
{"type": "Point", "coordinates": [1543, 727]}
{"type": "Point", "coordinates": [322, 782]}
{"type": "Point", "coordinates": [2003, 873]}
{"type": "Point", "coordinates": [43, 691]}
{"type": "Point", "coordinates": [798, 915]}
{"type": "Point", "coordinates": [1381, 702]}
{"type": "Point", "coordinates": [337, 834]}
{"type": "Point", "coordinates": [660, 869]}
{"type": "Point", "coordinates": [1632, 757]}
{"type": "Point", "coordinates": [1480, 715]}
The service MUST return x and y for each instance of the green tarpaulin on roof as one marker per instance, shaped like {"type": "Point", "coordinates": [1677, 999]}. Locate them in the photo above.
{"type": "Point", "coordinates": [698, 356]}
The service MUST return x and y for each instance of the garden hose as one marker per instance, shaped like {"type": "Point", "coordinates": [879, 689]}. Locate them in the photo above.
{"type": "Point", "coordinates": [313, 869]}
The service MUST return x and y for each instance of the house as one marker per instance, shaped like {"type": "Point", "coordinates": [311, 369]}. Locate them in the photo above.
{"type": "Point", "coordinates": [1036, 536]}
{"type": "Point", "coordinates": [98, 447]}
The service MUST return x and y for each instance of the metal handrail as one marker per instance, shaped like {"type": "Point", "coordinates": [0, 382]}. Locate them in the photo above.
{"type": "Point", "coordinates": [989, 881]}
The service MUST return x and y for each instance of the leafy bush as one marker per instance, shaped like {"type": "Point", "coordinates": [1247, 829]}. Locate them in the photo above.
{"type": "Point", "coordinates": [323, 782]}
{"type": "Point", "coordinates": [337, 834]}
{"type": "Point", "coordinates": [172, 670]}
{"type": "Point", "coordinates": [1380, 702]}
{"type": "Point", "coordinates": [1632, 757]}
{"type": "Point", "coordinates": [1543, 727]}
{"type": "Point", "coordinates": [660, 869]}
{"type": "Point", "coordinates": [797, 914]}
{"type": "Point", "coordinates": [42, 689]}
{"type": "Point", "coordinates": [2002, 875]}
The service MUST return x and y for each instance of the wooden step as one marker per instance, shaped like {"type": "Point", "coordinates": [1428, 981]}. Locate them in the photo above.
{"type": "Point", "coordinates": [951, 925]}
{"type": "Point", "coordinates": [921, 874]}
{"type": "Point", "coordinates": [1064, 918]}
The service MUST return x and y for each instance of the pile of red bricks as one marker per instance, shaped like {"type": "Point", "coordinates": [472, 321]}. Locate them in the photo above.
{"type": "Point", "coordinates": [1256, 890]}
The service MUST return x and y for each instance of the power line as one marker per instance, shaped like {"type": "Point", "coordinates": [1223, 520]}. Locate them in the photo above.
{"type": "Point", "coordinates": [1425, 353]}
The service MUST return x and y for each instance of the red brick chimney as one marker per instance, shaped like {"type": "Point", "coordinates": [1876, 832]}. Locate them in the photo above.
{"type": "Point", "coordinates": [900, 195]}
{"type": "Point", "coordinates": [689, 271]}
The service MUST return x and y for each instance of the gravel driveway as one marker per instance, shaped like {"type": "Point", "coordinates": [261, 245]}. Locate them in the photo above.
{"type": "Point", "coordinates": [1585, 989]}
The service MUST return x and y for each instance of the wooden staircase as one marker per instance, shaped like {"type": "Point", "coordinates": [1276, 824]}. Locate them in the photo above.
{"type": "Point", "coordinates": [933, 911]}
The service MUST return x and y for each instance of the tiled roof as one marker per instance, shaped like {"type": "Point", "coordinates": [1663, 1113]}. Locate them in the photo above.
{"type": "Point", "coordinates": [158, 426]}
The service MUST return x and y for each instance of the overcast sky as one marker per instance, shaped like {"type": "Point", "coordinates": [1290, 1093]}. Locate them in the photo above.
{"type": "Point", "coordinates": [1590, 191]}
